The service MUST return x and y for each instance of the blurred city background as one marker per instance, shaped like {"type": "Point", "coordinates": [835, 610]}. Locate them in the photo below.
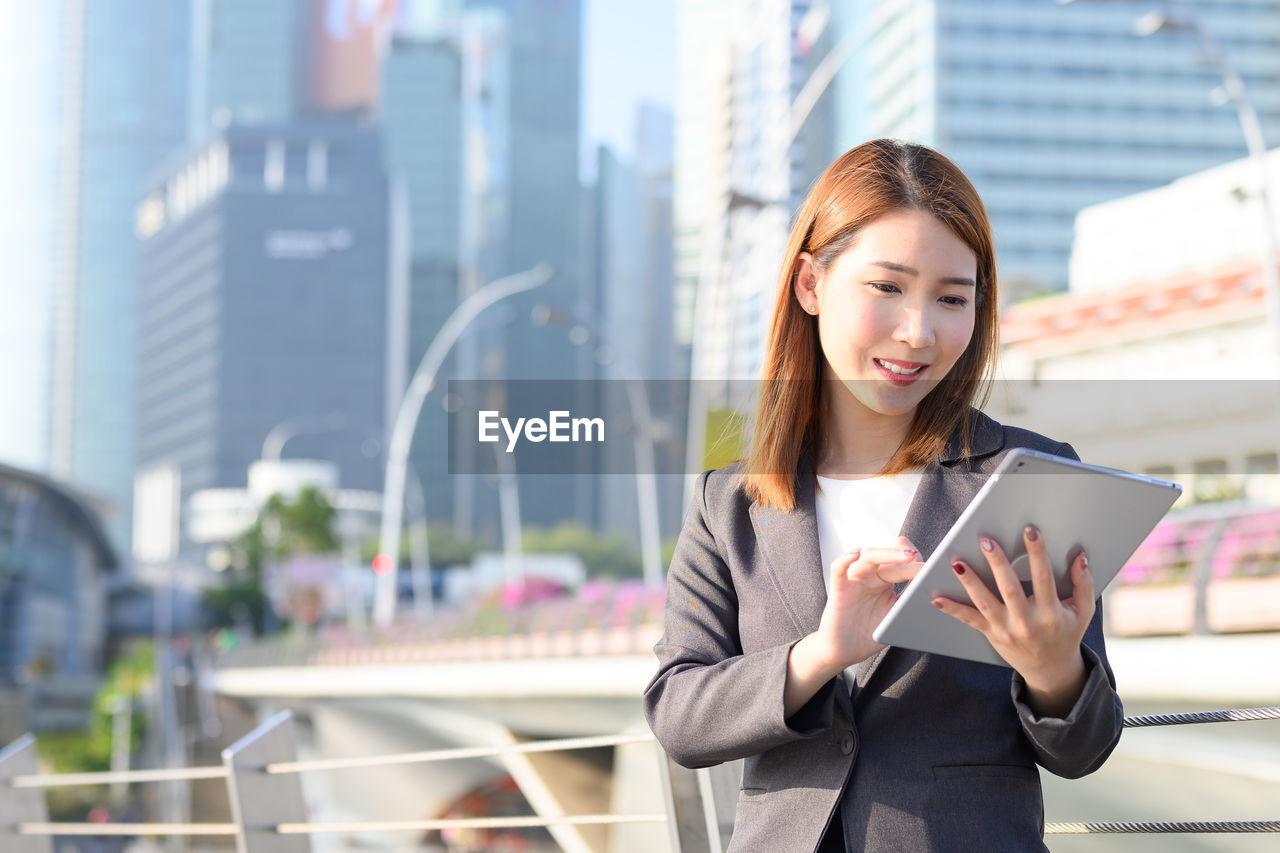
{"type": "Point", "coordinates": [246, 244]}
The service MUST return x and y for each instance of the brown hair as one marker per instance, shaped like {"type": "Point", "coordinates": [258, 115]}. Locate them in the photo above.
{"type": "Point", "coordinates": [873, 179]}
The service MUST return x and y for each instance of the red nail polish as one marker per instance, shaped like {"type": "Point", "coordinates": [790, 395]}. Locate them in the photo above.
{"type": "Point", "coordinates": [959, 567]}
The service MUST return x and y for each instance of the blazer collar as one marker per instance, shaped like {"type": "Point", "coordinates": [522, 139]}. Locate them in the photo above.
{"type": "Point", "coordinates": [789, 540]}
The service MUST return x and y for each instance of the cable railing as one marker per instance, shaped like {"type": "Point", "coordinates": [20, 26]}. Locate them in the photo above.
{"type": "Point", "coordinates": [268, 810]}
{"type": "Point", "coordinates": [264, 790]}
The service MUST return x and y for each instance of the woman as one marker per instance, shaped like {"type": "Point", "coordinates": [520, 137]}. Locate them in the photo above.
{"type": "Point", "coordinates": [884, 331]}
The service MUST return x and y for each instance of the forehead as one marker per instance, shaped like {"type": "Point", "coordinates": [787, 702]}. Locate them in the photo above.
{"type": "Point", "coordinates": [911, 238]}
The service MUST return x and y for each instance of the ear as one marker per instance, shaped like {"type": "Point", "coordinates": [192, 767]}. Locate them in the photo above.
{"type": "Point", "coordinates": [804, 283]}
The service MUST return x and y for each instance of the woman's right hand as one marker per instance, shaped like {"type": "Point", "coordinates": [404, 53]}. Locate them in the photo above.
{"type": "Point", "coordinates": [861, 593]}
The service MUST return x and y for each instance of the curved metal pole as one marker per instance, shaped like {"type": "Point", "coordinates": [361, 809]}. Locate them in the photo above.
{"type": "Point", "coordinates": [646, 487]}
{"type": "Point", "coordinates": [646, 482]}
{"type": "Point", "coordinates": [822, 77]}
{"type": "Point", "coordinates": [273, 444]}
{"type": "Point", "coordinates": [384, 604]}
{"type": "Point", "coordinates": [1234, 86]}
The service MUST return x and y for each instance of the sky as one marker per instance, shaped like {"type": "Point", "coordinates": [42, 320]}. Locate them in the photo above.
{"type": "Point", "coordinates": [628, 57]}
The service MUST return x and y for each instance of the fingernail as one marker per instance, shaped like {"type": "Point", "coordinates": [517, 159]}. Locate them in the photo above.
{"type": "Point", "coordinates": [910, 552]}
{"type": "Point", "coordinates": [1084, 562]}
{"type": "Point", "coordinates": [987, 544]}
{"type": "Point", "coordinates": [936, 603]}
{"type": "Point", "coordinates": [1032, 533]}
{"type": "Point", "coordinates": [958, 566]}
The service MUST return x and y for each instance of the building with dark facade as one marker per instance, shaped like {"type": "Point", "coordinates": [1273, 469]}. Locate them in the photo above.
{"type": "Point", "coordinates": [55, 564]}
{"type": "Point", "coordinates": [271, 294]}
{"type": "Point", "coordinates": [422, 122]}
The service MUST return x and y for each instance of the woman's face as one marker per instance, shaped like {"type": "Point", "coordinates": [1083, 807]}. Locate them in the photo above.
{"type": "Point", "coordinates": [895, 311]}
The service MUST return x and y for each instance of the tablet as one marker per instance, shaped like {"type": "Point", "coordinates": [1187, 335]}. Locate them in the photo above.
{"type": "Point", "coordinates": [1104, 511]}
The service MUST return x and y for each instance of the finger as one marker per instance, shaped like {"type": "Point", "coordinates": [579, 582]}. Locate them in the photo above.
{"type": "Point", "coordinates": [1042, 586]}
{"type": "Point", "coordinates": [970, 616]}
{"type": "Point", "coordinates": [887, 556]}
{"type": "Point", "coordinates": [982, 598]}
{"type": "Point", "coordinates": [904, 543]}
{"type": "Point", "coordinates": [1006, 579]}
{"type": "Point", "coordinates": [840, 565]}
{"type": "Point", "coordinates": [899, 572]}
{"type": "Point", "coordinates": [1082, 594]}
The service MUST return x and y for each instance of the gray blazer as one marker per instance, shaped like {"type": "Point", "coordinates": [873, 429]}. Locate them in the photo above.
{"type": "Point", "coordinates": [929, 752]}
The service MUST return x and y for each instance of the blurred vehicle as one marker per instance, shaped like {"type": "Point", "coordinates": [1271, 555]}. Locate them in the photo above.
{"type": "Point", "coordinates": [501, 798]}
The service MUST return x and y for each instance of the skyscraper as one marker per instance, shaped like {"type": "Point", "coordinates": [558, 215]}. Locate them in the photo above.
{"type": "Point", "coordinates": [631, 268]}
{"type": "Point", "coordinates": [267, 294]}
{"type": "Point", "coordinates": [33, 39]}
{"type": "Point", "coordinates": [740, 170]}
{"type": "Point", "coordinates": [124, 112]}
{"type": "Point", "coordinates": [1049, 108]}
{"type": "Point", "coordinates": [421, 119]}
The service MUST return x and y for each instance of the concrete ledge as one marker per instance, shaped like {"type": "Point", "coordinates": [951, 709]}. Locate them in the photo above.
{"type": "Point", "coordinates": [1231, 668]}
{"type": "Point", "coordinates": [592, 677]}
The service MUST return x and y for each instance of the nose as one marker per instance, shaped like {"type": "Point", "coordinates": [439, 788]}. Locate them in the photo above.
{"type": "Point", "coordinates": [915, 327]}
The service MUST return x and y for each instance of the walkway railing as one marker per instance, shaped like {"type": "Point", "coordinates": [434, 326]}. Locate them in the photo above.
{"type": "Point", "coordinates": [269, 813]}
{"type": "Point", "coordinates": [264, 788]}
{"type": "Point", "coordinates": [1213, 568]}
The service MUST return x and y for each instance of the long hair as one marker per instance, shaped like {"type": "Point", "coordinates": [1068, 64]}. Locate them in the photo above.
{"type": "Point", "coordinates": [868, 181]}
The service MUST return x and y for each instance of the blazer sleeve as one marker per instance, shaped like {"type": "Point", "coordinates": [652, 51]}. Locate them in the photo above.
{"type": "Point", "coordinates": [1078, 743]}
{"type": "Point", "coordinates": [708, 702]}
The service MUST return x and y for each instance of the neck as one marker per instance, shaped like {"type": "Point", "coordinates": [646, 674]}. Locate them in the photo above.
{"type": "Point", "coordinates": [857, 442]}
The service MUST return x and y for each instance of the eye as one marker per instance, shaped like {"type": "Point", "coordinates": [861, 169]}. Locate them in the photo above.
{"type": "Point", "coordinates": [956, 301]}
{"type": "Point", "coordinates": [884, 286]}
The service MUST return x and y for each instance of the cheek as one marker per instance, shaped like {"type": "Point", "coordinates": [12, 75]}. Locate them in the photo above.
{"type": "Point", "coordinates": [855, 326]}
{"type": "Point", "coordinates": [958, 330]}
{"type": "Point", "coordinates": [871, 322]}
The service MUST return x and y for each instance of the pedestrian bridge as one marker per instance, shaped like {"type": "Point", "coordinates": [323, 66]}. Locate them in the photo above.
{"type": "Point", "coordinates": [392, 729]}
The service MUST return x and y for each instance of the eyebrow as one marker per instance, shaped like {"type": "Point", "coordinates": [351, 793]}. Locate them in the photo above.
{"type": "Point", "coordinates": [902, 268]}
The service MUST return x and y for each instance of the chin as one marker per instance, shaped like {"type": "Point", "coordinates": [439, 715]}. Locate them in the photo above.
{"type": "Point", "coordinates": [893, 405]}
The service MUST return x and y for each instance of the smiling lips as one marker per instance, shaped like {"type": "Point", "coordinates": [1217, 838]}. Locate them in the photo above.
{"type": "Point", "coordinates": [900, 373]}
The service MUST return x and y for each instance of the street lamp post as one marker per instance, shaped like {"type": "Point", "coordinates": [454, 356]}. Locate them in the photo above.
{"type": "Point", "coordinates": [1180, 19]}
{"type": "Point", "coordinates": [415, 395]}
{"type": "Point", "coordinates": [1233, 90]}
{"type": "Point", "coordinates": [642, 415]}
{"type": "Point", "coordinates": [279, 435]}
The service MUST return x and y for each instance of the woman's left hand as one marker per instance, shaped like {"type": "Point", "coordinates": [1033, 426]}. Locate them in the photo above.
{"type": "Point", "coordinates": [1038, 636]}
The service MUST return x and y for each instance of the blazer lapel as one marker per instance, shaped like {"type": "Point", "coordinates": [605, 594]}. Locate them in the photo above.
{"type": "Point", "coordinates": [792, 556]}
{"type": "Point", "coordinates": [792, 552]}
{"type": "Point", "coordinates": [945, 489]}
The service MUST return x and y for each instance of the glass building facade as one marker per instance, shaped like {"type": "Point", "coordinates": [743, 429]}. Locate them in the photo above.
{"type": "Point", "coordinates": [266, 296]}
{"type": "Point", "coordinates": [1050, 108]}
{"type": "Point", "coordinates": [126, 112]}
{"type": "Point", "coordinates": [55, 562]}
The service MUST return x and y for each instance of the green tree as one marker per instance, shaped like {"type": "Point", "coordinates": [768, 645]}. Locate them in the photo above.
{"type": "Point", "coordinates": [89, 751]}
{"type": "Point", "coordinates": [282, 529]}
{"type": "Point", "coordinates": [445, 547]}
{"type": "Point", "coordinates": [604, 555]}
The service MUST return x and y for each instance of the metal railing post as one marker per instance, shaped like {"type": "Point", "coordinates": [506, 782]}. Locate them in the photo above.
{"type": "Point", "coordinates": [261, 801]}
{"type": "Point", "coordinates": [700, 804]}
{"type": "Point", "coordinates": [718, 787]}
{"type": "Point", "coordinates": [21, 805]}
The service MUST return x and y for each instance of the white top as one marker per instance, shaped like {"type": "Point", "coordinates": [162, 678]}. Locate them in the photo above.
{"type": "Point", "coordinates": [866, 513]}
